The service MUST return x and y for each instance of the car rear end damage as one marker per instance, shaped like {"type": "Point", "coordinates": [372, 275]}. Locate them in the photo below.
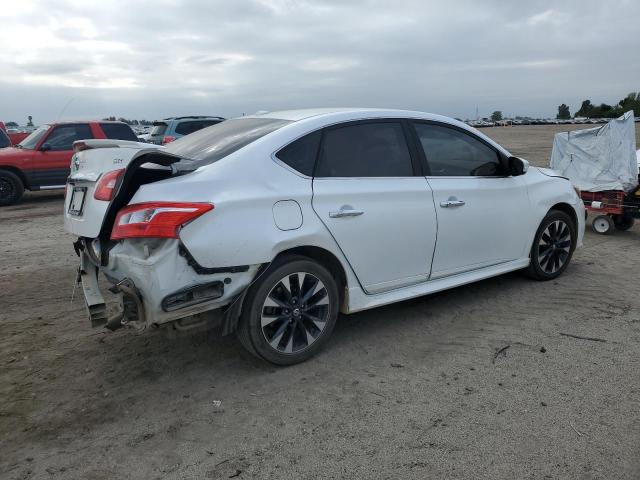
{"type": "Point", "coordinates": [137, 246]}
{"type": "Point", "coordinates": [156, 284]}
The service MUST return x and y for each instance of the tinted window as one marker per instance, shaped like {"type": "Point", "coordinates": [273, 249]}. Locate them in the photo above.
{"type": "Point", "coordinates": [4, 140]}
{"type": "Point", "coordinates": [211, 144]}
{"type": "Point", "coordinates": [118, 131]}
{"type": "Point", "coordinates": [185, 128]}
{"type": "Point", "coordinates": [301, 154]}
{"type": "Point", "coordinates": [365, 150]}
{"type": "Point", "coordinates": [452, 153]}
{"type": "Point", "coordinates": [63, 136]}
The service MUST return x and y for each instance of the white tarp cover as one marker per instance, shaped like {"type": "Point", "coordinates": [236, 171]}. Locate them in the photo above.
{"type": "Point", "coordinates": [597, 159]}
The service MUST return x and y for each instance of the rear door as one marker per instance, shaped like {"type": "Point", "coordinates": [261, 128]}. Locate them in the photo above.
{"type": "Point", "coordinates": [52, 158]}
{"type": "Point", "coordinates": [368, 192]}
{"type": "Point", "coordinates": [482, 212]}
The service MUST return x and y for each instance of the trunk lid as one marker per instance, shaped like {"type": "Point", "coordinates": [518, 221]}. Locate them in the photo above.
{"type": "Point", "coordinates": [83, 213]}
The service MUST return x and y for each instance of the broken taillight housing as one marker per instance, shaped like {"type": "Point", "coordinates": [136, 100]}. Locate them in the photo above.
{"type": "Point", "coordinates": [156, 219]}
{"type": "Point", "coordinates": [107, 185]}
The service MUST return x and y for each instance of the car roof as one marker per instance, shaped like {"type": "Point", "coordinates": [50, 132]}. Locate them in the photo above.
{"type": "Point", "coordinates": [297, 115]}
{"type": "Point", "coordinates": [74, 122]}
{"type": "Point", "coordinates": [321, 117]}
{"type": "Point", "coordinates": [190, 117]}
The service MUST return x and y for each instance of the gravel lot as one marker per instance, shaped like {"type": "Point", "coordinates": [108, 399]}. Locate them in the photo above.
{"type": "Point", "coordinates": [412, 390]}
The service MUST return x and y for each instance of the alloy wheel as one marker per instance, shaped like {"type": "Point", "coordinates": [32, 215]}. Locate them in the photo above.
{"type": "Point", "coordinates": [554, 246]}
{"type": "Point", "coordinates": [295, 312]}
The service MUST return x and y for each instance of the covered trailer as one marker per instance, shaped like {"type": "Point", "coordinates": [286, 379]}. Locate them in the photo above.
{"type": "Point", "coordinates": [602, 162]}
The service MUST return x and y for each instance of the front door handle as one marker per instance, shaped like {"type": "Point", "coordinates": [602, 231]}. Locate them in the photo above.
{"type": "Point", "coordinates": [346, 211]}
{"type": "Point", "coordinates": [452, 203]}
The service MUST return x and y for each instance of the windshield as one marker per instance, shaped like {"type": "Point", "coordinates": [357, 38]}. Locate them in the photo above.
{"type": "Point", "coordinates": [210, 144]}
{"type": "Point", "coordinates": [32, 140]}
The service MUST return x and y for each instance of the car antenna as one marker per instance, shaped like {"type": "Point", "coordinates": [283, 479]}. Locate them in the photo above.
{"type": "Point", "coordinates": [64, 109]}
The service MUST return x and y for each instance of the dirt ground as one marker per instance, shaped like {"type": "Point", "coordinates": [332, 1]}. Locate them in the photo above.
{"type": "Point", "coordinates": [412, 390]}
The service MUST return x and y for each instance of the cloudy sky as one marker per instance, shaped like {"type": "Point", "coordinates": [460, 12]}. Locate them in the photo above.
{"type": "Point", "coordinates": [151, 59]}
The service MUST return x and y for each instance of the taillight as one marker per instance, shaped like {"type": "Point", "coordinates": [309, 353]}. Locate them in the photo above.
{"type": "Point", "coordinates": [156, 219]}
{"type": "Point", "coordinates": [80, 146]}
{"type": "Point", "coordinates": [107, 185]}
{"type": "Point", "coordinates": [167, 139]}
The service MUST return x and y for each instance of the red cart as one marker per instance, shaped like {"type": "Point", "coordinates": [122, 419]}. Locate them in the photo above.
{"type": "Point", "coordinates": [613, 209]}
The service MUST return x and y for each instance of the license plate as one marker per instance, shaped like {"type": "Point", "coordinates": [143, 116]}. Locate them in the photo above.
{"type": "Point", "coordinates": [77, 200]}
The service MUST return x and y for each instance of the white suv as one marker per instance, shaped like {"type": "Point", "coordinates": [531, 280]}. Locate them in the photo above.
{"type": "Point", "coordinates": [274, 223]}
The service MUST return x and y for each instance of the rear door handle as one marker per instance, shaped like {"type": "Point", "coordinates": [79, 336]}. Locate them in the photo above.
{"type": "Point", "coordinates": [346, 211]}
{"type": "Point", "coordinates": [452, 203]}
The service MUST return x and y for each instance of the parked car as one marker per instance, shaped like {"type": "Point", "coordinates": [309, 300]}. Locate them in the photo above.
{"type": "Point", "coordinates": [274, 223]}
{"type": "Point", "coordinates": [16, 135]}
{"type": "Point", "coordinates": [170, 129]}
{"type": "Point", "coordinates": [41, 161]}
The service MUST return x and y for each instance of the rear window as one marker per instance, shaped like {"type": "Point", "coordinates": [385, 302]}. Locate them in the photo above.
{"type": "Point", "coordinates": [159, 128]}
{"type": "Point", "coordinates": [4, 140]}
{"type": "Point", "coordinates": [118, 131]}
{"type": "Point", "coordinates": [211, 144]}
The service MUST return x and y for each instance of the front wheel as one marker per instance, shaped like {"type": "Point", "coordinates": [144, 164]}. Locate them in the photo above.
{"type": "Point", "coordinates": [290, 312]}
{"type": "Point", "coordinates": [553, 246]}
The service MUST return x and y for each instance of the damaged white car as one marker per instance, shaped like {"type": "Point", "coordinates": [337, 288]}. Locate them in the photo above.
{"type": "Point", "coordinates": [272, 224]}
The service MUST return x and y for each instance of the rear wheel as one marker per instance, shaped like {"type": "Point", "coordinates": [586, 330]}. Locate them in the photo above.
{"type": "Point", "coordinates": [622, 222]}
{"type": "Point", "coordinates": [553, 246]}
{"type": "Point", "coordinates": [11, 188]}
{"type": "Point", "coordinates": [602, 224]}
{"type": "Point", "coordinates": [290, 312]}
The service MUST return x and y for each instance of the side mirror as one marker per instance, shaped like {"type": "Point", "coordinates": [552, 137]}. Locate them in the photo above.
{"type": "Point", "coordinates": [46, 147]}
{"type": "Point", "coordinates": [518, 166]}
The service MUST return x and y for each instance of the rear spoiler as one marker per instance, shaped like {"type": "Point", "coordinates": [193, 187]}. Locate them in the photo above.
{"type": "Point", "coordinates": [81, 145]}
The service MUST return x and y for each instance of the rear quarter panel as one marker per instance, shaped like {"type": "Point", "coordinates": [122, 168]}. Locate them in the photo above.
{"type": "Point", "coordinates": [241, 229]}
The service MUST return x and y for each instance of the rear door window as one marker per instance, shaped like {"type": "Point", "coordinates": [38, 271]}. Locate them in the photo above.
{"type": "Point", "coordinates": [118, 131]}
{"type": "Point", "coordinates": [63, 136]}
{"type": "Point", "coordinates": [185, 128]}
{"type": "Point", "coordinates": [377, 149]}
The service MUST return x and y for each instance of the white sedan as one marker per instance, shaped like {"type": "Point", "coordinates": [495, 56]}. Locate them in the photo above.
{"type": "Point", "coordinates": [272, 224]}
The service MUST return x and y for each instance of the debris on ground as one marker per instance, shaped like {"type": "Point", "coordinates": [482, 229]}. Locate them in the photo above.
{"type": "Point", "coordinates": [591, 339]}
{"type": "Point", "coordinates": [502, 351]}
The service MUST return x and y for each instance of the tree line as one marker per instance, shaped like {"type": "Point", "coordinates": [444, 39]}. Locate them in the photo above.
{"type": "Point", "coordinates": [588, 109]}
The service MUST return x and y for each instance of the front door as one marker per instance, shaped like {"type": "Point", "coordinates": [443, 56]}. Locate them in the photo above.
{"type": "Point", "coordinates": [482, 212]}
{"type": "Point", "coordinates": [379, 211]}
{"type": "Point", "coordinates": [52, 159]}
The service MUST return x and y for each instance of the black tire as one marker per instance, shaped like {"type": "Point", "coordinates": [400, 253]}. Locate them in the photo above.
{"type": "Point", "coordinates": [300, 327]}
{"type": "Point", "coordinates": [11, 188]}
{"type": "Point", "coordinates": [553, 246]}
{"type": "Point", "coordinates": [622, 222]}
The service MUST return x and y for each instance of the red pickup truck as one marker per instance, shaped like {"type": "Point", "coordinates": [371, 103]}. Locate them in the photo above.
{"type": "Point", "coordinates": [41, 161]}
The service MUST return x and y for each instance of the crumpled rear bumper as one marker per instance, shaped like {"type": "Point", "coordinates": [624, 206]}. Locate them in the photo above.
{"type": "Point", "coordinates": [156, 283]}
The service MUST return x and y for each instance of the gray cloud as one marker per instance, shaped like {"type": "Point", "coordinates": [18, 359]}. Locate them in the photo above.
{"type": "Point", "coordinates": [164, 57]}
